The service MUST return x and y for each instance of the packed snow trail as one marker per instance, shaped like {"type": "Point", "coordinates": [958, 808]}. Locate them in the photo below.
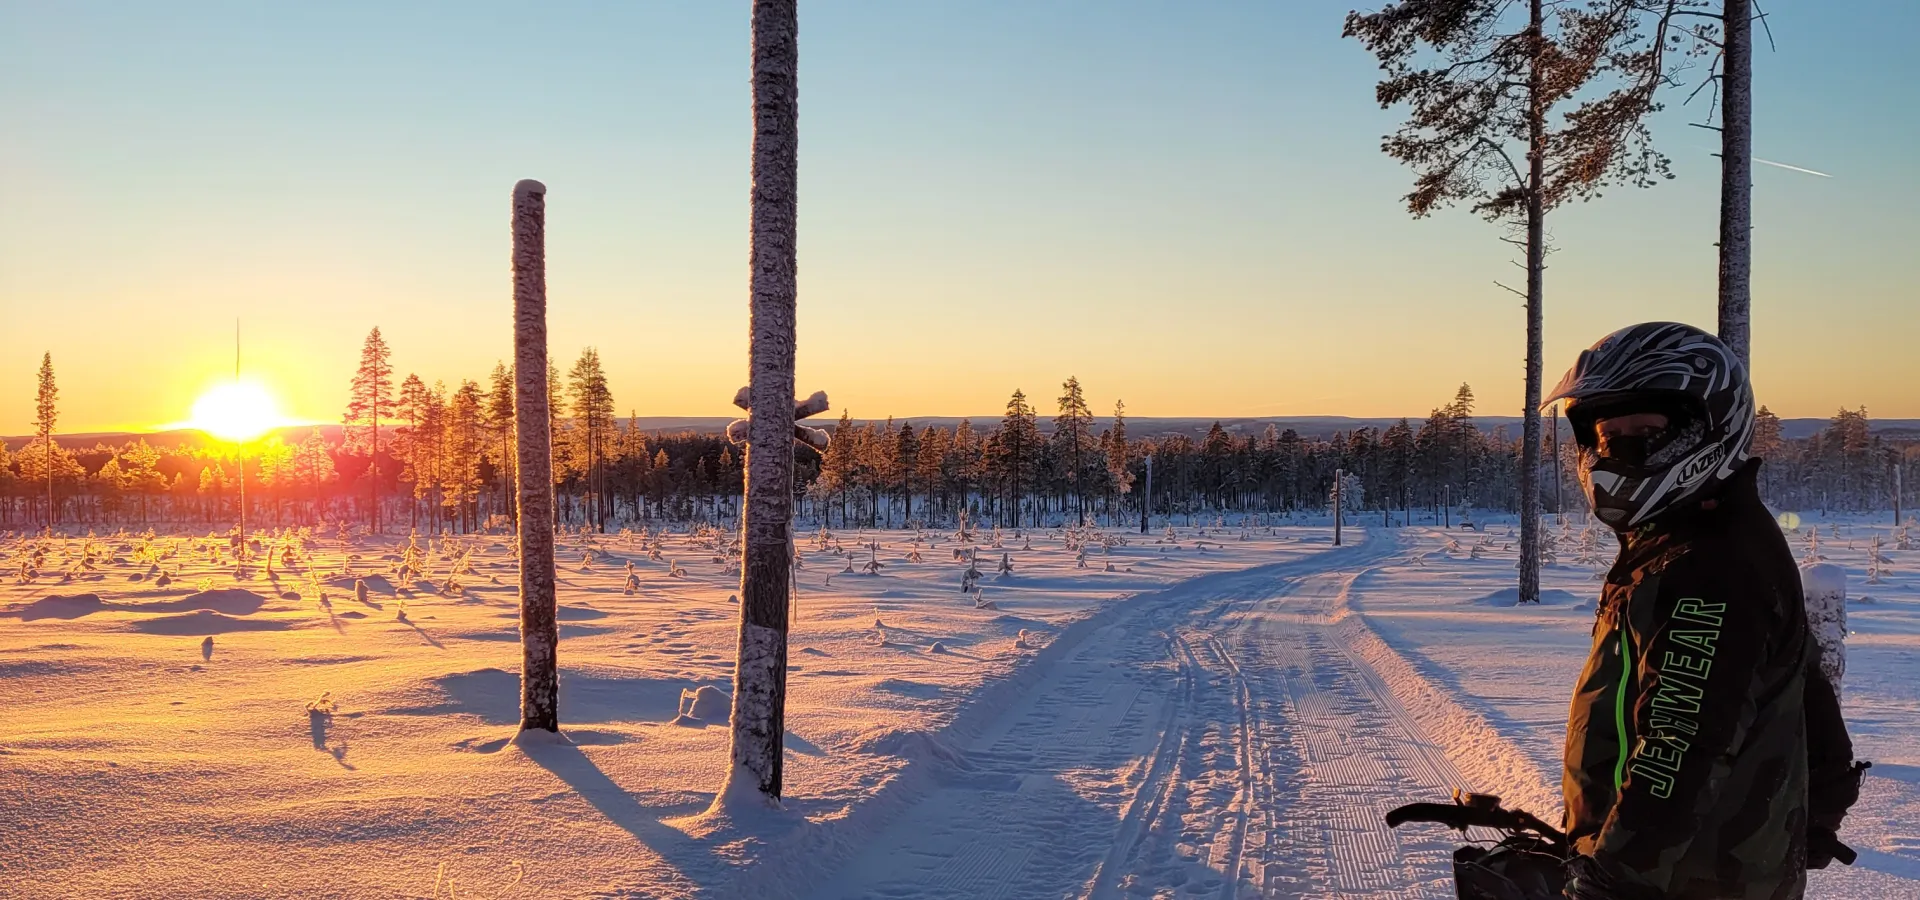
{"type": "Point", "coordinates": [1213, 739]}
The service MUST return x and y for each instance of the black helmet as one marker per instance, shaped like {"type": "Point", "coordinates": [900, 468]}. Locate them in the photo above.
{"type": "Point", "coordinates": [1677, 370]}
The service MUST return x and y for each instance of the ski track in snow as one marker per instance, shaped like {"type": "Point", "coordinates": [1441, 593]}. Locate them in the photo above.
{"type": "Point", "coordinates": [1214, 740]}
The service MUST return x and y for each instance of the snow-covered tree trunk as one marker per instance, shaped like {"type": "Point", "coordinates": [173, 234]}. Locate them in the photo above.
{"type": "Point", "coordinates": [532, 427]}
{"type": "Point", "coordinates": [760, 675]}
{"type": "Point", "coordinates": [1736, 180]}
{"type": "Point", "coordinates": [1825, 586]}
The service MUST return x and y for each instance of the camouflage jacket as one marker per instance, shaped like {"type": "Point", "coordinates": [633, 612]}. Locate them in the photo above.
{"type": "Point", "coordinates": [1686, 760]}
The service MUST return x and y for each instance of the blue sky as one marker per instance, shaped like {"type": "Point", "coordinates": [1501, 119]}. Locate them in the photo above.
{"type": "Point", "coordinates": [1181, 203]}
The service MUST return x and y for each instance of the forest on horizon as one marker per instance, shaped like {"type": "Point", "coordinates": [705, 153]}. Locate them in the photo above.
{"type": "Point", "coordinates": [439, 459]}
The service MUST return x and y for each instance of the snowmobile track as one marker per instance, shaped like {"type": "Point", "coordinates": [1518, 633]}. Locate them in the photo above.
{"type": "Point", "coordinates": [1214, 739]}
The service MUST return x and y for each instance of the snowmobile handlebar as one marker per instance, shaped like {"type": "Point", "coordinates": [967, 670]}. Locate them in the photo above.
{"type": "Point", "coordinates": [1483, 810]}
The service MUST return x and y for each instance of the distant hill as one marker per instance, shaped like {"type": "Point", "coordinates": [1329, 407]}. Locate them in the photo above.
{"type": "Point", "coordinates": [1306, 426]}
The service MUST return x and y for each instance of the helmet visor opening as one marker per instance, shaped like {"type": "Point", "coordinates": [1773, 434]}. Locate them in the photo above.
{"type": "Point", "coordinates": [1676, 414]}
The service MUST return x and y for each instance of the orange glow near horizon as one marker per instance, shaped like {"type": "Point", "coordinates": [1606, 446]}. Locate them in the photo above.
{"type": "Point", "coordinates": [237, 411]}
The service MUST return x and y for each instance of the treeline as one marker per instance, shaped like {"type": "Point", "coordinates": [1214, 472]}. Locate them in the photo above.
{"type": "Point", "coordinates": [657, 477]}
{"type": "Point", "coordinates": [444, 456]}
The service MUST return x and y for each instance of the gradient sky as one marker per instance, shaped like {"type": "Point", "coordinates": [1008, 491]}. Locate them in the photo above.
{"type": "Point", "coordinates": [1182, 203]}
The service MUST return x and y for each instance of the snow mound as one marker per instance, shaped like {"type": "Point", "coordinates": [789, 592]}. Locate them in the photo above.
{"type": "Point", "coordinates": [540, 737]}
{"type": "Point", "coordinates": [740, 815]}
{"type": "Point", "coordinates": [231, 601]}
{"type": "Point", "coordinates": [58, 606]}
{"type": "Point", "coordinates": [577, 613]}
{"type": "Point", "coordinates": [203, 622]}
{"type": "Point", "coordinates": [912, 746]}
{"type": "Point", "coordinates": [704, 704]}
{"type": "Point", "coordinates": [1510, 596]}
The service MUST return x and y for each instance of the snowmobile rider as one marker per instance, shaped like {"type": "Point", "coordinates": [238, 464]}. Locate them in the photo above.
{"type": "Point", "coordinates": [1687, 763]}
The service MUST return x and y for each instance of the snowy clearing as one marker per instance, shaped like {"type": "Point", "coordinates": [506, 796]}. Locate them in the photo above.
{"type": "Point", "coordinates": [1151, 719]}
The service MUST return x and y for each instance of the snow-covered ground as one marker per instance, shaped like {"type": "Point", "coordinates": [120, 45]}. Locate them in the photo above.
{"type": "Point", "coordinates": [1149, 719]}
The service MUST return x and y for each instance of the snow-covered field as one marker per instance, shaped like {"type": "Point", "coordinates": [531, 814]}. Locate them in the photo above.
{"type": "Point", "coordinates": [1148, 719]}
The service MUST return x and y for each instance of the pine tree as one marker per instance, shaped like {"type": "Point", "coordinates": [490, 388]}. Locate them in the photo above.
{"type": "Point", "coordinates": [1494, 86]}
{"type": "Point", "coordinates": [1017, 443]}
{"type": "Point", "coordinates": [6, 483]}
{"type": "Point", "coordinates": [1397, 457]}
{"type": "Point", "coordinates": [566, 462]}
{"type": "Point", "coordinates": [906, 456]}
{"type": "Point", "coordinates": [1073, 434]}
{"type": "Point", "coordinates": [427, 447]}
{"type": "Point", "coordinates": [1119, 456]}
{"type": "Point", "coordinates": [930, 464]}
{"type": "Point", "coordinates": [369, 403]}
{"type": "Point", "coordinates": [499, 419]}
{"type": "Point", "coordinates": [966, 465]}
{"type": "Point", "coordinates": [141, 462]}
{"type": "Point", "coordinates": [836, 465]}
{"type": "Point", "coordinates": [593, 415]}
{"type": "Point", "coordinates": [1216, 454]}
{"type": "Point", "coordinates": [45, 415]}
{"type": "Point", "coordinates": [533, 424]}
{"type": "Point", "coordinates": [465, 443]}
{"type": "Point", "coordinates": [313, 466]}
{"type": "Point", "coordinates": [410, 443]}
{"type": "Point", "coordinates": [1767, 443]}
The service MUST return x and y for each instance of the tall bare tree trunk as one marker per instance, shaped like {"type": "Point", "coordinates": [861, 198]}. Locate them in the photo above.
{"type": "Point", "coordinates": [1536, 263]}
{"type": "Point", "coordinates": [533, 434]}
{"type": "Point", "coordinates": [1736, 182]}
{"type": "Point", "coordinates": [760, 675]}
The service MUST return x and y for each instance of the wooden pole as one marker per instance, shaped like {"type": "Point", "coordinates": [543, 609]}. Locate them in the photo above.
{"type": "Point", "coordinates": [1146, 499]}
{"type": "Point", "coordinates": [1339, 475]}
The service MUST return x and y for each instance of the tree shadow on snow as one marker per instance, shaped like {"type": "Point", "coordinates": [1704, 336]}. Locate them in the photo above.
{"type": "Point", "coordinates": [572, 766]}
{"type": "Point", "coordinates": [493, 695]}
{"type": "Point", "coordinates": [423, 634]}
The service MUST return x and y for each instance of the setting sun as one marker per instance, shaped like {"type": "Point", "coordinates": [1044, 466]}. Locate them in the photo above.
{"type": "Point", "coordinates": [236, 411]}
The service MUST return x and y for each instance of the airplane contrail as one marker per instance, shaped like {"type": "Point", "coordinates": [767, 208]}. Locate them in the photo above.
{"type": "Point", "coordinates": [1793, 168]}
{"type": "Point", "coordinates": [1767, 162]}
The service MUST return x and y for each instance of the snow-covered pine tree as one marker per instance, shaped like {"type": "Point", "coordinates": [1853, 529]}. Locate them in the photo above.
{"type": "Point", "coordinates": [1120, 458]}
{"type": "Point", "coordinates": [46, 414]}
{"type": "Point", "coordinates": [539, 631]}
